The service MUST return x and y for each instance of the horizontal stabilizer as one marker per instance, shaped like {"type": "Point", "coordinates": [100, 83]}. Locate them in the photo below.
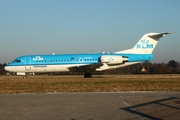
{"type": "Point", "coordinates": [158, 35]}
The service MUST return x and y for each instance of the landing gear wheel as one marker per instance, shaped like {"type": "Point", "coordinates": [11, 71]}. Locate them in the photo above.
{"type": "Point", "coordinates": [87, 75]}
{"type": "Point", "coordinates": [25, 77]}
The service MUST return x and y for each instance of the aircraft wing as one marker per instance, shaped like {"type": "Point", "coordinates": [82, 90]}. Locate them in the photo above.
{"type": "Point", "coordinates": [106, 62]}
{"type": "Point", "coordinates": [85, 67]}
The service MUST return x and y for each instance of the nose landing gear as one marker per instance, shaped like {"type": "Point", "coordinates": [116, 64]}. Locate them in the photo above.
{"type": "Point", "coordinates": [25, 77]}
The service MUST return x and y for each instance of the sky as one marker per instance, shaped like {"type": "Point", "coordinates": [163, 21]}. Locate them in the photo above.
{"type": "Point", "coordinates": [86, 26]}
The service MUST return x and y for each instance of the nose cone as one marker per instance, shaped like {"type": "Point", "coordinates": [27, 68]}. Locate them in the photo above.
{"type": "Point", "coordinates": [10, 68]}
{"type": "Point", "coordinates": [6, 68]}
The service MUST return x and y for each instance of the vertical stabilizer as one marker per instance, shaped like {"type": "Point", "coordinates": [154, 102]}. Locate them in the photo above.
{"type": "Point", "coordinates": [146, 44]}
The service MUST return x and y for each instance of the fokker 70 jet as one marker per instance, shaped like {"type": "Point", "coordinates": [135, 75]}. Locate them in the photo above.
{"type": "Point", "coordinates": [87, 63]}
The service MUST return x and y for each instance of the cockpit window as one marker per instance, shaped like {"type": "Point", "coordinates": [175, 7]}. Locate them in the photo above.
{"type": "Point", "coordinates": [17, 61]}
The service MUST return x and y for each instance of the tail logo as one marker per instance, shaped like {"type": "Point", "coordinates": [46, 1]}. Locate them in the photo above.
{"type": "Point", "coordinates": [144, 45]}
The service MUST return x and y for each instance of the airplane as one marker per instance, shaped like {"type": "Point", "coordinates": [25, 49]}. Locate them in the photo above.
{"type": "Point", "coordinates": [89, 62]}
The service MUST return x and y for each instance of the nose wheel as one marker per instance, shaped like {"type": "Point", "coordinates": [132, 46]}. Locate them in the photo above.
{"type": "Point", "coordinates": [25, 77]}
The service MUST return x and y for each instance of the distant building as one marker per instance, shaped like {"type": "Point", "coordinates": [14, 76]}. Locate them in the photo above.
{"type": "Point", "coordinates": [143, 70]}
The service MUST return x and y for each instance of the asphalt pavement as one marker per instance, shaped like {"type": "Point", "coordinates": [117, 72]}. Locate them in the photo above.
{"type": "Point", "coordinates": [91, 106]}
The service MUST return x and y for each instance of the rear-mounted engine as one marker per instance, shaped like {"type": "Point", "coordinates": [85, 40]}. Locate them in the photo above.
{"type": "Point", "coordinates": [113, 59]}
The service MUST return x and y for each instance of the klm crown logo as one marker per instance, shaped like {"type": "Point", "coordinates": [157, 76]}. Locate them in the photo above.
{"type": "Point", "coordinates": [144, 45]}
{"type": "Point", "coordinates": [37, 58]}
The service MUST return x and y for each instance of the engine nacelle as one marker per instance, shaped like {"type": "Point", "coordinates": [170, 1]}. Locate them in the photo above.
{"type": "Point", "coordinates": [113, 59]}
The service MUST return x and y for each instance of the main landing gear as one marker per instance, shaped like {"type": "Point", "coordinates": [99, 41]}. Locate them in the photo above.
{"type": "Point", "coordinates": [87, 75]}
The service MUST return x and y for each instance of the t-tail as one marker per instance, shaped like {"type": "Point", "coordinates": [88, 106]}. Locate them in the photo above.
{"type": "Point", "coordinates": [146, 44]}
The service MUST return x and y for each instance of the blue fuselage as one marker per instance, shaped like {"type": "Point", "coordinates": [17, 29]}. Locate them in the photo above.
{"type": "Point", "coordinates": [64, 59]}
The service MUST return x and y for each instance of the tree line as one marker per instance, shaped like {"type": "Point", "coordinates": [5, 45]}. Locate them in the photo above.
{"type": "Point", "coordinates": [172, 67]}
{"type": "Point", "coordinates": [2, 71]}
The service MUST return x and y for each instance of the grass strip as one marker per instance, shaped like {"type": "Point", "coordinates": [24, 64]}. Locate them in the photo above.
{"type": "Point", "coordinates": [44, 84]}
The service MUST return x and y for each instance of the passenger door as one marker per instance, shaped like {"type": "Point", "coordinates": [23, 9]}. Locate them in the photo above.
{"type": "Point", "coordinates": [27, 63]}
